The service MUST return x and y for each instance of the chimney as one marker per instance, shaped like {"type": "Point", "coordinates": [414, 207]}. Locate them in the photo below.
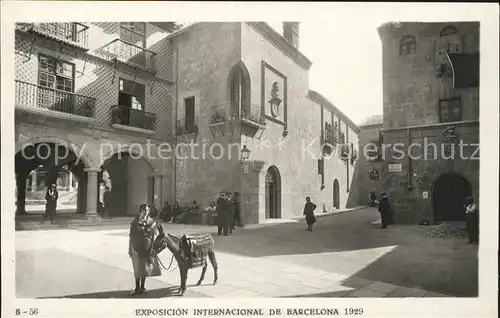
{"type": "Point", "coordinates": [291, 33]}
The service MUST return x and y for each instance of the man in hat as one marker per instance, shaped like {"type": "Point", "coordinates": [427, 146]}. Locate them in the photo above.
{"type": "Point", "coordinates": [384, 209]}
{"type": "Point", "coordinates": [472, 219]}
{"type": "Point", "coordinates": [222, 214]}
{"type": "Point", "coordinates": [50, 207]}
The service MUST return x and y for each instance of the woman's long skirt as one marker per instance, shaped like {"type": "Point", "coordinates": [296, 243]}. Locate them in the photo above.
{"type": "Point", "coordinates": [142, 268]}
{"type": "Point", "coordinates": [310, 218]}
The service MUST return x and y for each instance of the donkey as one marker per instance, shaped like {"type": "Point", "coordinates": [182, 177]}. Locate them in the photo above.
{"type": "Point", "coordinates": [182, 250]}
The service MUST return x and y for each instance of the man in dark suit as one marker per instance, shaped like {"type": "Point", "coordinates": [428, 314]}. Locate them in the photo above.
{"type": "Point", "coordinates": [384, 209]}
{"type": "Point", "coordinates": [223, 214]}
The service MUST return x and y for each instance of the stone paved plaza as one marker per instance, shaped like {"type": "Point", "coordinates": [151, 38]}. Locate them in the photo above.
{"type": "Point", "coordinates": [345, 256]}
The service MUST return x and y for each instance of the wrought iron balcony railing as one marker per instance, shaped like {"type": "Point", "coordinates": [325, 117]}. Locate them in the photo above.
{"type": "Point", "coordinates": [131, 54]}
{"type": "Point", "coordinates": [126, 116]}
{"type": "Point", "coordinates": [238, 110]}
{"type": "Point", "coordinates": [74, 33]}
{"type": "Point", "coordinates": [187, 126]}
{"type": "Point", "coordinates": [35, 96]}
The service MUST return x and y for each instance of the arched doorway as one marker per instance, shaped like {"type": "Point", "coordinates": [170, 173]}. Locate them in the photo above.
{"type": "Point", "coordinates": [129, 182]}
{"type": "Point", "coordinates": [336, 194]}
{"type": "Point", "coordinates": [273, 193]}
{"type": "Point", "coordinates": [41, 164]}
{"type": "Point", "coordinates": [448, 194]}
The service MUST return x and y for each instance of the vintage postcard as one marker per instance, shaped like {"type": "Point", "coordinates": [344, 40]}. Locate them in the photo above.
{"type": "Point", "coordinates": [249, 159]}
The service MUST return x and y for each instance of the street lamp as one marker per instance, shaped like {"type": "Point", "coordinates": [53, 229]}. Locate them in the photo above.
{"type": "Point", "coordinates": [245, 154]}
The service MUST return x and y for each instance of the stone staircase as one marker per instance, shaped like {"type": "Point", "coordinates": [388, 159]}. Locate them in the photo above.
{"type": "Point", "coordinates": [32, 222]}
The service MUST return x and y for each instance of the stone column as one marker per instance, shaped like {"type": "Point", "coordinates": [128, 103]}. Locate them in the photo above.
{"type": "Point", "coordinates": [70, 181]}
{"type": "Point", "coordinates": [91, 211]}
{"type": "Point", "coordinates": [21, 194]}
{"type": "Point", "coordinates": [158, 180]}
{"type": "Point", "coordinates": [34, 183]}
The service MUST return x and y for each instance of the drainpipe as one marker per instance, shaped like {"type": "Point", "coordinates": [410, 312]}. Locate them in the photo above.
{"type": "Point", "coordinates": [174, 158]}
{"type": "Point", "coordinates": [409, 159]}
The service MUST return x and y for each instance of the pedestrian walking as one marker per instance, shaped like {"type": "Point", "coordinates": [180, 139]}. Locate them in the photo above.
{"type": "Point", "coordinates": [472, 219]}
{"type": "Point", "coordinates": [309, 213]}
{"type": "Point", "coordinates": [51, 197]}
{"type": "Point", "coordinates": [384, 209]}
{"type": "Point", "coordinates": [222, 214]}
{"type": "Point", "coordinates": [143, 232]}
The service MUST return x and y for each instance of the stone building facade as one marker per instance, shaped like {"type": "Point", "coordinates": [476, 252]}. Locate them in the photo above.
{"type": "Point", "coordinates": [431, 101]}
{"type": "Point", "coordinates": [108, 91]}
{"type": "Point", "coordinates": [247, 86]}
{"type": "Point", "coordinates": [95, 89]}
{"type": "Point", "coordinates": [370, 167]}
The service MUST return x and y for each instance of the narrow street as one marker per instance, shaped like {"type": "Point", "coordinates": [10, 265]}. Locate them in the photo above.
{"type": "Point", "coordinates": [345, 256]}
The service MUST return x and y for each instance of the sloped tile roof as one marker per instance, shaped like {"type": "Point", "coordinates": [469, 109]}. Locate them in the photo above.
{"type": "Point", "coordinates": [372, 121]}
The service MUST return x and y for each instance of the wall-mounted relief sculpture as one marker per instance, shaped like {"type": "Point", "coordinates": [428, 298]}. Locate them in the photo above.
{"type": "Point", "coordinates": [275, 101]}
{"type": "Point", "coordinates": [274, 95]}
{"type": "Point", "coordinates": [450, 140]}
{"type": "Point", "coordinates": [374, 174]}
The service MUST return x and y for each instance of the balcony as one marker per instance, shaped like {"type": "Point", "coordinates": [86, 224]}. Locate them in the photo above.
{"type": "Point", "coordinates": [131, 54]}
{"type": "Point", "coordinates": [248, 113]}
{"type": "Point", "coordinates": [36, 98]}
{"type": "Point", "coordinates": [72, 33]}
{"type": "Point", "coordinates": [187, 126]}
{"type": "Point", "coordinates": [133, 119]}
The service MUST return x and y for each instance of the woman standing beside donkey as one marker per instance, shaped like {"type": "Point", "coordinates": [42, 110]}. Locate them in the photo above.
{"type": "Point", "coordinates": [143, 232]}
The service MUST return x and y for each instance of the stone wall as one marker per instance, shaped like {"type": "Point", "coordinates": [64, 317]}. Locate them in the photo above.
{"type": "Point", "coordinates": [203, 58]}
{"type": "Point", "coordinates": [412, 90]}
{"type": "Point", "coordinates": [409, 203]}
{"type": "Point", "coordinates": [411, 86]}
{"type": "Point", "coordinates": [369, 135]}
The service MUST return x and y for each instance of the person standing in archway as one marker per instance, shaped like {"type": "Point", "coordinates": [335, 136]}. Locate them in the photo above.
{"type": "Point", "coordinates": [472, 219]}
{"type": "Point", "coordinates": [309, 213]}
{"type": "Point", "coordinates": [385, 209]}
{"type": "Point", "coordinates": [106, 198]}
{"type": "Point", "coordinates": [50, 207]}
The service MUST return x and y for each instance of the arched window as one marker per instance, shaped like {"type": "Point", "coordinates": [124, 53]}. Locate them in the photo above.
{"type": "Point", "coordinates": [448, 30]}
{"type": "Point", "coordinates": [239, 91]}
{"type": "Point", "coordinates": [407, 45]}
{"type": "Point", "coordinates": [450, 39]}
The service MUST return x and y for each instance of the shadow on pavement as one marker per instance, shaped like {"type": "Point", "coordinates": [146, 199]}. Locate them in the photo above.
{"type": "Point", "coordinates": [156, 293]}
{"type": "Point", "coordinates": [442, 265]}
{"type": "Point", "coordinates": [333, 294]}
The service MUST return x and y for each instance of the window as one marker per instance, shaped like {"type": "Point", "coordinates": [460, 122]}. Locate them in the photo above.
{"type": "Point", "coordinates": [408, 45]}
{"type": "Point", "coordinates": [447, 30]}
{"type": "Point", "coordinates": [134, 33]}
{"type": "Point", "coordinates": [54, 73]}
{"type": "Point", "coordinates": [189, 112]}
{"type": "Point", "coordinates": [238, 94]}
{"type": "Point", "coordinates": [450, 110]}
{"type": "Point", "coordinates": [132, 95]}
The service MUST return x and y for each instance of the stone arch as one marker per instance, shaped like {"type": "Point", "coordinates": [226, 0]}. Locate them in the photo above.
{"type": "Point", "coordinates": [336, 194]}
{"type": "Point", "coordinates": [129, 150]}
{"type": "Point", "coordinates": [130, 180]}
{"type": "Point", "coordinates": [273, 198]}
{"type": "Point", "coordinates": [82, 154]}
{"type": "Point", "coordinates": [466, 188]}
